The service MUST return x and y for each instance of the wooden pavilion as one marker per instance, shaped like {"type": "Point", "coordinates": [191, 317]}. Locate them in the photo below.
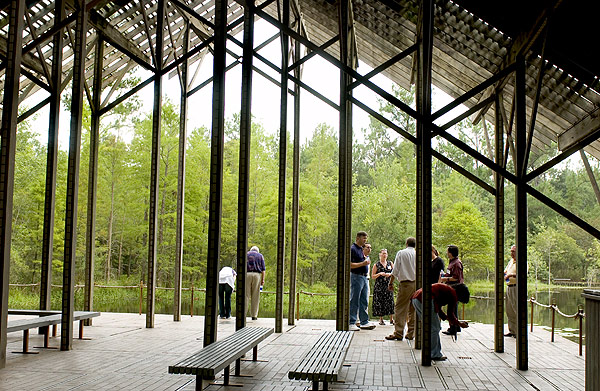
{"type": "Point", "coordinates": [525, 66]}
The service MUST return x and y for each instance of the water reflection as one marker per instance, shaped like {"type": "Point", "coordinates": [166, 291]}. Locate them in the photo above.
{"type": "Point", "coordinates": [567, 300]}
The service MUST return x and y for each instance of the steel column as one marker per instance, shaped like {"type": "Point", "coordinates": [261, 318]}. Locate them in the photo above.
{"type": "Point", "coordinates": [281, 203]}
{"type": "Point", "coordinates": [51, 160]}
{"type": "Point", "coordinates": [216, 174]}
{"type": "Point", "coordinates": [70, 247]}
{"type": "Point", "coordinates": [90, 234]}
{"type": "Point", "coordinates": [155, 166]}
{"type": "Point", "coordinates": [521, 214]}
{"type": "Point", "coordinates": [345, 174]}
{"type": "Point", "coordinates": [499, 231]}
{"type": "Point", "coordinates": [7, 154]}
{"type": "Point", "coordinates": [424, 63]}
{"type": "Point", "coordinates": [183, 110]}
{"type": "Point", "coordinates": [244, 165]}
{"type": "Point", "coordinates": [295, 186]}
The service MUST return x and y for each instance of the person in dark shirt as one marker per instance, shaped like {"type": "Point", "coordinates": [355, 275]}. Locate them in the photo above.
{"type": "Point", "coordinates": [437, 266]}
{"type": "Point", "coordinates": [359, 285]}
{"type": "Point", "coordinates": [441, 295]}
{"type": "Point", "coordinates": [453, 277]}
{"type": "Point", "coordinates": [255, 279]}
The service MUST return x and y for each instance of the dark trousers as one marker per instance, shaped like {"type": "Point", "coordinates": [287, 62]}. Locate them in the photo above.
{"type": "Point", "coordinates": [225, 300]}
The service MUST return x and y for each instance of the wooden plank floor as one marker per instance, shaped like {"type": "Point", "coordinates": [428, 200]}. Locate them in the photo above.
{"type": "Point", "coordinates": [123, 354]}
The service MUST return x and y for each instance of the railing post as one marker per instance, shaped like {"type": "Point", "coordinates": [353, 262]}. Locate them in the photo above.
{"type": "Point", "coordinates": [531, 300]}
{"type": "Point", "coordinates": [192, 303]}
{"type": "Point", "coordinates": [580, 316]}
{"type": "Point", "coordinates": [298, 305]}
{"type": "Point", "coordinates": [553, 308]}
{"type": "Point", "coordinates": [141, 295]}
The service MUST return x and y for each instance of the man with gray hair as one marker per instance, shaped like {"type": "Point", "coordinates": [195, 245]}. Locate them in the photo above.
{"type": "Point", "coordinates": [255, 279]}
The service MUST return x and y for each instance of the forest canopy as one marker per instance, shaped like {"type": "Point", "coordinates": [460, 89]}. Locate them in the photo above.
{"type": "Point", "coordinates": [384, 192]}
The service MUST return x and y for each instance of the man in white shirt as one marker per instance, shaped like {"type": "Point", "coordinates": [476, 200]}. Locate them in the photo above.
{"type": "Point", "coordinates": [404, 271]}
{"type": "Point", "coordinates": [226, 286]}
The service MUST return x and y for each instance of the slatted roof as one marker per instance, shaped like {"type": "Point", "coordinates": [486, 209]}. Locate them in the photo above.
{"type": "Point", "coordinates": [473, 40]}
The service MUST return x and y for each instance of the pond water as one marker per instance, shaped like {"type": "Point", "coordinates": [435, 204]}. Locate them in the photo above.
{"type": "Point", "coordinates": [481, 309]}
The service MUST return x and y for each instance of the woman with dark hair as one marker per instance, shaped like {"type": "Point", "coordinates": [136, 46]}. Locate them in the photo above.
{"type": "Point", "coordinates": [437, 266]}
{"type": "Point", "coordinates": [383, 299]}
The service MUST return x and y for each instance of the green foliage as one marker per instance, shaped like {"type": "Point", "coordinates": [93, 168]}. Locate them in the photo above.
{"type": "Point", "coordinates": [464, 226]}
{"type": "Point", "coordinates": [383, 199]}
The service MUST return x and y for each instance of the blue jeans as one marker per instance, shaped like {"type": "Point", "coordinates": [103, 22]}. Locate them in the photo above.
{"type": "Point", "coordinates": [359, 298]}
{"type": "Point", "coordinates": [436, 345]}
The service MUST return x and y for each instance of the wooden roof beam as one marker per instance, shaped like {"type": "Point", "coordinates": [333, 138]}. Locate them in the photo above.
{"type": "Point", "coordinates": [522, 44]}
{"type": "Point", "coordinates": [578, 132]}
{"type": "Point", "coordinates": [114, 37]}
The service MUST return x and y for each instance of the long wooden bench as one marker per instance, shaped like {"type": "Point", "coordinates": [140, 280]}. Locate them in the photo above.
{"type": "Point", "coordinates": [45, 320]}
{"type": "Point", "coordinates": [210, 360]}
{"type": "Point", "coordinates": [323, 361]}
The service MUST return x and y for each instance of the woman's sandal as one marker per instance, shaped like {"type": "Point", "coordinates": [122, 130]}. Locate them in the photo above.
{"type": "Point", "coordinates": [382, 323]}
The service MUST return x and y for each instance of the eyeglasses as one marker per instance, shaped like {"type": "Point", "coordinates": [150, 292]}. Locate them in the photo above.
{"type": "Point", "coordinates": [369, 247]}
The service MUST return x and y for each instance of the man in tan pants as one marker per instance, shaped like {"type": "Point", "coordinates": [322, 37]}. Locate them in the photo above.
{"type": "Point", "coordinates": [255, 278]}
{"type": "Point", "coordinates": [405, 272]}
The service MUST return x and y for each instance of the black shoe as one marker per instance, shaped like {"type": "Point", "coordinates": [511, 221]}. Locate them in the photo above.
{"type": "Point", "coordinates": [254, 318]}
{"type": "Point", "coordinates": [449, 332]}
{"type": "Point", "coordinates": [510, 335]}
{"type": "Point", "coordinates": [441, 358]}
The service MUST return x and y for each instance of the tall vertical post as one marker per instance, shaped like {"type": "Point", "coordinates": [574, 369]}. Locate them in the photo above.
{"type": "Point", "coordinates": [216, 175]}
{"type": "Point", "coordinates": [68, 301]}
{"type": "Point", "coordinates": [155, 166]}
{"type": "Point", "coordinates": [51, 161]}
{"type": "Point", "coordinates": [285, 43]}
{"type": "Point", "coordinates": [521, 214]}
{"type": "Point", "coordinates": [345, 173]}
{"type": "Point", "coordinates": [183, 109]}
{"type": "Point", "coordinates": [424, 56]}
{"type": "Point", "coordinates": [295, 185]}
{"type": "Point", "coordinates": [7, 157]}
{"type": "Point", "coordinates": [499, 232]}
{"type": "Point", "coordinates": [244, 176]}
{"type": "Point", "coordinates": [90, 234]}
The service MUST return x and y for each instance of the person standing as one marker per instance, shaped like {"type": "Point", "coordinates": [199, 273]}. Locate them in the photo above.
{"type": "Point", "coordinates": [226, 286]}
{"type": "Point", "coordinates": [255, 279]}
{"type": "Point", "coordinates": [383, 299]}
{"type": "Point", "coordinates": [510, 276]}
{"type": "Point", "coordinates": [404, 271]}
{"type": "Point", "coordinates": [441, 295]}
{"type": "Point", "coordinates": [437, 266]}
{"type": "Point", "coordinates": [367, 253]}
{"type": "Point", "coordinates": [453, 277]}
{"type": "Point", "coordinates": [359, 285]}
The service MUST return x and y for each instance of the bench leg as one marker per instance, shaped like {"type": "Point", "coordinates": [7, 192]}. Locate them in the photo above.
{"type": "Point", "coordinates": [255, 353]}
{"type": "Point", "coordinates": [26, 343]}
{"type": "Point", "coordinates": [238, 367]}
{"type": "Point", "coordinates": [315, 386]}
{"type": "Point", "coordinates": [54, 327]}
{"type": "Point", "coordinates": [226, 376]}
{"type": "Point", "coordinates": [199, 383]}
{"type": "Point", "coordinates": [81, 329]}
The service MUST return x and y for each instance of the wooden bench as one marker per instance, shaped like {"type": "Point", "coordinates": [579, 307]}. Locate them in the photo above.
{"type": "Point", "coordinates": [45, 320]}
{"type": "Point", "coordinates": [323, 361]}
{"type": "Point", "coordinates": [219, 355]}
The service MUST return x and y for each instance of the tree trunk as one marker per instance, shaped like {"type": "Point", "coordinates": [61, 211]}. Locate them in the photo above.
{"type": "Point", "coordinates": [110, 227]}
